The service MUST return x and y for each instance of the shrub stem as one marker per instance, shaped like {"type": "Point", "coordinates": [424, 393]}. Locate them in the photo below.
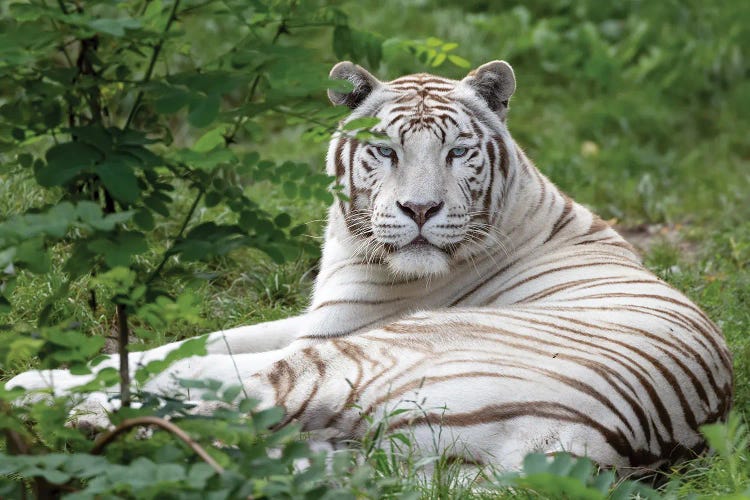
{"type": "Point", "coordinates": [107, 438]}
{"type": "Point", "coordinates": [122, 348]}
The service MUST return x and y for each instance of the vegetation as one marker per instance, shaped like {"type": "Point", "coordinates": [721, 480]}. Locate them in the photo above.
{"type": "Point", "coordinates": [161, 176]}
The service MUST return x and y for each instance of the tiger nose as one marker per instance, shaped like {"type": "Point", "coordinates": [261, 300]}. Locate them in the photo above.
{"type": "Point", "coordinates": [420, 212]}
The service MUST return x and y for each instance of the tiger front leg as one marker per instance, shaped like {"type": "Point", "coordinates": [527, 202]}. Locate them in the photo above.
{"type": "Point", "coordinates": [257, 338]}
{"type": "Point", "coordinates": [313, 382]}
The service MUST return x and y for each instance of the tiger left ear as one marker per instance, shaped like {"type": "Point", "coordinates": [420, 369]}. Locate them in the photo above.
{"type": "Point", "coordinates": [364, 83]}
{"type": "Point", "coordinates": [495, 82]}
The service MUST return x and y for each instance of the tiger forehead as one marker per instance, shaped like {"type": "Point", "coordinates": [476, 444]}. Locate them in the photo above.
{"type": "Point", "coordinates": [421, 81]}
{"type": "Point", "coordinates": [421, 88]}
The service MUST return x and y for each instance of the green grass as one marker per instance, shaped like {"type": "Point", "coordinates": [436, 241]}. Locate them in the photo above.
{"type": "Point", "coordinates": [638, 110]}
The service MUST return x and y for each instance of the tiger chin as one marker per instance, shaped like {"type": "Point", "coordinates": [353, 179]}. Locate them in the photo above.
{"type": "Point", "coordinates": [419, 260]}
{"type": "Point", "coordinates": [527, 324]}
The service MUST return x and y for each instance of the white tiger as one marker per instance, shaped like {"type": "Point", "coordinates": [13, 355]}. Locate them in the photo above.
{"type": "Point", "coordinates": [458, 274]}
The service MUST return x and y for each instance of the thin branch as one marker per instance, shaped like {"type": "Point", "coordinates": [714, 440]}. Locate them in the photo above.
{"type": "Point", "coordinates": [16, 444]}
{"type": "Point", "coordinates": [282, 28]}
{"type": "Point", "coordinates": [198, 6]}
{"type": "Point", "coordinates": [178, 237]}
{"type": "Point", "coordinates": [123, 336]}
{"type": "Point", "coordinates": [128, 424]}
{"type": "Point", "coordinates": [62, 7]}
{"type": "Point", "coordinates": [152, 64]}
{"type": "Point", "coordinates": [57, 28]}
{"type": "Point", "coordinates": [327, 126]}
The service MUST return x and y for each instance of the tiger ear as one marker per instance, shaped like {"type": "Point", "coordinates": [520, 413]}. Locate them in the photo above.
{"type": "Point", "coordinates": [495, 82]}
{"type": "Point", "coordinates": [364, 83]}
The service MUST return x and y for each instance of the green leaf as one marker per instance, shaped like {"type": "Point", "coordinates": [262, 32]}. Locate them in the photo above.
{"type": "Point", "coordinates": [459, 61]}
{"type": "Point", "coordinates": [231, 393]}
{"type": "Point", "coordinates": [203, 111]}
{"type": "Point", "coordinates": [34, 256]}
{"type": "Point", "coordinates": [172, 102]}
{"type": "Point", "coordinates": [212, 198]}
{"type": "Point", "coordinates": [342, 41]}
{"type": "Point", "coordinates": [365, 122]}
{"type": "Point", "coordinates": [266, 418]}
{"type": "Point", "coordinates": [25, 160]}
{"type": "Point", "coordinates": [283, 220]}
{"type": "Point", "coordinates": [535, 463]}
{"type": "Point", "coordinates": [144, 219]}
{"type": "Point", "coordinates": [210, 140]}
{"type": "Point", "coordinates": [115, 27]}
{"type": "Point", "coordinates": [157, 205]}
{"type": "Point", "coordinates": [65, 161]}
{"type": "Point", "coordinates": [193, 347]}
{"type": "Point", "coordinates": [119, 179]}
{"type": "Point", "coordinates": [118, 251]}
{"type": "Point", "coordinates": [290, 189]}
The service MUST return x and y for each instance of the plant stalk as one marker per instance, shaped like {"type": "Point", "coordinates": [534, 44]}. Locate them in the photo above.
{"type": "Point", "coordinates": [123, 334]}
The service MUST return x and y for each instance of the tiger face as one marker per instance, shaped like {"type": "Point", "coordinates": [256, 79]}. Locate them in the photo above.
{"type": "Point", "coordinates": [425, 191]}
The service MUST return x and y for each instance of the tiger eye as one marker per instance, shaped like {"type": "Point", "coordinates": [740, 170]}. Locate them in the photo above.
{"type": "Point", "coordinates": [458, 152]}
{"type": "Point", "coordinates": [386, 152]}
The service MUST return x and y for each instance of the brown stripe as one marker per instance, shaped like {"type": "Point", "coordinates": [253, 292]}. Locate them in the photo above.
{"type": "Point", "coordinates": [597, 224]}
{"type": "Point", "coordinates": [537, 409]}
{"type": "Point", "coordinates": [301, 409]}
{"type": "Point", "coordinates": [528, 279]}
{"type": "Point", "coordinates": [653, 394]}
{"type": "Point", "coordinates": [338, 158]}
{"type": "Point", "coordinates": [426, 381]}
{"type": "Point", "coordinates": [563, 220]}
{"type": "Point", "coordinates": [336, 302]}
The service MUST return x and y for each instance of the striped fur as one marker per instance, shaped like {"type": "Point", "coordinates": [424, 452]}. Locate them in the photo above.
{"type": "Point", "coordinates": [523, 323]}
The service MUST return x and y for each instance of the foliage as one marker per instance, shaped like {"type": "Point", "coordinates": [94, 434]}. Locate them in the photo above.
{"type": "Point", "coordinates": [568, 477]}
{"type": "Point", "coordinates": [160, 165]}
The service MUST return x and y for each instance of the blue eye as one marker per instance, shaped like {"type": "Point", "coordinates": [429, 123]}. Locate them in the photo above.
{"type": "Point", "coordinates": [386, 152]}
{"type": "Point", "coordinates": [458, 152]}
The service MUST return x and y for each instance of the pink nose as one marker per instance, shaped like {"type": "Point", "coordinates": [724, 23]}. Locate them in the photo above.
{"type": "Point", "coordinates": [420, 212]}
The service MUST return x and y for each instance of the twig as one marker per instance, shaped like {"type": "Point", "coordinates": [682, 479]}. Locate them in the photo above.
{"type": "Point", "coordinates": [152, 64]}
{"type": "Point", "coordinates": [327, 126]}
{"type": "Point", "coordinates": [125, 425]}
{"type": "Point", "coordinates": [123, 334]}
{"type": "Point", "coordinates": [177, 238]}
{"type": "Point", "coordinates": [282, 28]}
{"type": "Point", "coordinates": [16, 444]}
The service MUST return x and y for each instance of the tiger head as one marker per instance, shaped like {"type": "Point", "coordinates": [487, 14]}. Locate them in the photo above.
{"type": "Point", "coordinates": [426, 189]}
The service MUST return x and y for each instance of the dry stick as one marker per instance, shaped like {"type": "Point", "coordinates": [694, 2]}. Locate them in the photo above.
{"type": "Point", "coordinates": [107, 438]}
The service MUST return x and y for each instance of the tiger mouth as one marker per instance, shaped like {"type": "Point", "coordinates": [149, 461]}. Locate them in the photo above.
{"type": "Point", "coordinates": [421, 243]}
{"type": "Point", "coordinates": [418, 243]}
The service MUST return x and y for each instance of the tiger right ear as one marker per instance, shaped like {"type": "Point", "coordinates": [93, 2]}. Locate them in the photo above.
{"type": "Point", "coordinates": [364, 83]}
{"type": "Point", "coordinates": [495, 83]}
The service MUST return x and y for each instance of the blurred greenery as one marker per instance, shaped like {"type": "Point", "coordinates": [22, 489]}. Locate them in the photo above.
{"type": "Point", "coordinates": [638, 109]}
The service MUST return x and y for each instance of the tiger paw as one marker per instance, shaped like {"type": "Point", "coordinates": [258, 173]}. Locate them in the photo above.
{"type": "Point", "coordinates": [57, 382]}
{"type": "Point", "coordinates": [92, 415]}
